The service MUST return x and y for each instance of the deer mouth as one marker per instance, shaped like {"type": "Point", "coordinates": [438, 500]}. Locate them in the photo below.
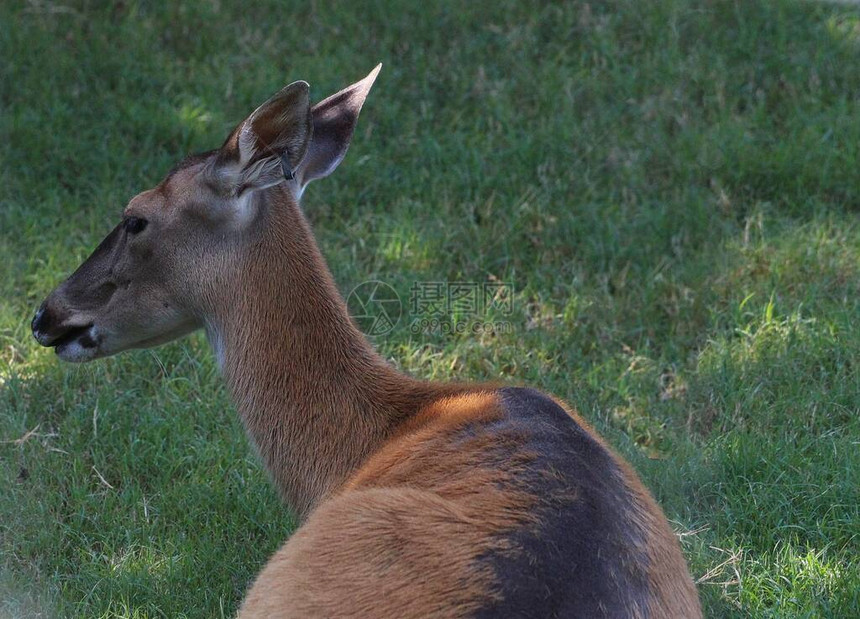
{"type": "Point", "coordinates": [76, 344]}
{"type": "Point", "coordinates": [73, 334]}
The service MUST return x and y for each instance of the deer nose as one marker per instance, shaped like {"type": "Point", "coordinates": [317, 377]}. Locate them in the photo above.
{"type": "Point", "coordinates": [38, 320]}
{"type": "Point", "coordinates": [55, 328]}
{"type": "Point", "coordinates": [44, 326]}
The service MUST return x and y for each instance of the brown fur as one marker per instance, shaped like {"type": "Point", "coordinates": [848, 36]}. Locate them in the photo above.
{"type": "Point", "coordinates": [402, 537]}
{"type": "Point", "coordinates": [404, 487]}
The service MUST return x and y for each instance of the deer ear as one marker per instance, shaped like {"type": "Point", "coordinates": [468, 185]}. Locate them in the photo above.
{"type": "Point", "coordinates": [273, 138]}
{"type": "Point", "coordinates": [334, 122]}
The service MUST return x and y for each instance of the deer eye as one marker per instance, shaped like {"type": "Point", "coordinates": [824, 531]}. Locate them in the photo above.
{"type": "Point", "coordinates": [133, 225]}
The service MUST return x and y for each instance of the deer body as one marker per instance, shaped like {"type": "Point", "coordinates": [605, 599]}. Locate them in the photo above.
{"type": "Point", "coordinates": [416, 499]}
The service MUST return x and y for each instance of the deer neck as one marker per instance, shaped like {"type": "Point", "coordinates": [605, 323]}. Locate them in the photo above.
{"type": "Point", "coordinates": [314, 396]}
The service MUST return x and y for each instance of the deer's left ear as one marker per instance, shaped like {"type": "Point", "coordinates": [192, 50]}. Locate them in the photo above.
{"type": "Point", "coordinates": [334, 122]}
{"type": "Point", "coordinates": [271, 141]}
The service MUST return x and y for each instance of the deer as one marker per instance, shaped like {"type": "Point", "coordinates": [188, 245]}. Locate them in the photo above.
{"type": "Point", "coordinates": [413, 498]}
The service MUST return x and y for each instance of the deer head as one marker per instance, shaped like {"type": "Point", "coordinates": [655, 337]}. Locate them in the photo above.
{"type": "Point", "coordinates": [158, 273]}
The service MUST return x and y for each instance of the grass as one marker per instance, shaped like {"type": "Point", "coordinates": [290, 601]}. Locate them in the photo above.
{"type": "Point", "coordinates": [672, 187]}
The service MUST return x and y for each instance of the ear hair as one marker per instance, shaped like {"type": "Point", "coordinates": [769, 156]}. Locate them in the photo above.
{"type": "Point", "coordinates": [250, 158]}
{"type": "Point", "coordinates": [262, 173]}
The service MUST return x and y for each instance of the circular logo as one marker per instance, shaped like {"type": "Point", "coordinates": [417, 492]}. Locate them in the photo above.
{"type": "Point", "coordinates": [375, 307]}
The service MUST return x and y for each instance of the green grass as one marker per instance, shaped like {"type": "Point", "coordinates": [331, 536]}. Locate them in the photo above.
{"type": "Point", "coordinates": [672, 186]}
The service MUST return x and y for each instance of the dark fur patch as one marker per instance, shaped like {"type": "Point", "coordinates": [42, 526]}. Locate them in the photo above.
{"type": "Point", "coordinates": [586, 556]}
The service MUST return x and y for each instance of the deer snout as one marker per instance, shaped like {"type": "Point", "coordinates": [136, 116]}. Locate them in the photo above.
{"type": "Point", "coordinates": [51, 327]}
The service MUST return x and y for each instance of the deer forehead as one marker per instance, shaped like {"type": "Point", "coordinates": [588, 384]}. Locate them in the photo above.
{"type": "Point", "coordinates": [181, 187]}
{"type": "Point", "coordinates": [143, 204]}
